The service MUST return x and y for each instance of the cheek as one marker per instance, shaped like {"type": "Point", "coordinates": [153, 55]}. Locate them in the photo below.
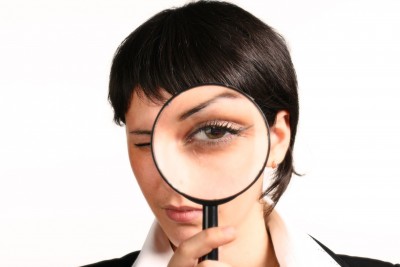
{"type": "Point", "coordinates": [237, 210]}
{"type": "Point", "coordinates": [145, 171]}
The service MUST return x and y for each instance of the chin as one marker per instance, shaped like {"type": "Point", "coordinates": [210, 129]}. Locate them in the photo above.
{"type": "Point", "coordinates": [180, 233]}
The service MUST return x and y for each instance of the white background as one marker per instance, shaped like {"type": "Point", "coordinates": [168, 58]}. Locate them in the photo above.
{"type": "Point", "coordinates": [67, 194]}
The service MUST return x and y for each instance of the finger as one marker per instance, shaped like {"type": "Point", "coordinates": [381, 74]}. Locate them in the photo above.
{"type": "Point", "coordinates": [188, 252]}
{"type": "Point", "coordinates": [206, 240]}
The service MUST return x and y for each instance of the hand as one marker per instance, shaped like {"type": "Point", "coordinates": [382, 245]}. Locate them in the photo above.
{"type": "Point", "coordinates": [190, 250]}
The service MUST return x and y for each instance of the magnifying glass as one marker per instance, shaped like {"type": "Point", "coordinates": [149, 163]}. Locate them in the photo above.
{"type": "Point", "coordinates": [210, 143]}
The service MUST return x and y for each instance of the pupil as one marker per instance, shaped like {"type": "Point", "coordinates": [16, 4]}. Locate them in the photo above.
{"type": "Point", "coordinates": [214, 132]}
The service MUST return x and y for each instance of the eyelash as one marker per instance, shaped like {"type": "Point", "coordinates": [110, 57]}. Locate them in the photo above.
{"type": "Point", "coordinates": [225, 126]}
{"type": "Point", "coordinates": [142, 144]}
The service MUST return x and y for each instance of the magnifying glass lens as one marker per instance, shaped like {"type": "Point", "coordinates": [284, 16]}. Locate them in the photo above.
{"type": "Point", "coordinates": [210, 143]}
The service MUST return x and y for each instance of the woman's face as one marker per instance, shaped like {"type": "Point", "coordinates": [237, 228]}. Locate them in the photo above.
{"type": "Point", "coordinates": [178, 217]}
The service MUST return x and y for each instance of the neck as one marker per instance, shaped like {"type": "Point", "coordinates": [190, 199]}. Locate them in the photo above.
{"type": "Point", "coordinates": [253, 245]}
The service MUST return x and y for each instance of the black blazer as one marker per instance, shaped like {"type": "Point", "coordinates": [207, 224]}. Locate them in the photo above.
{"type": "Point", "coordinates": [350, 261]}
{"type": "Point", "coordinates": [342, 260]}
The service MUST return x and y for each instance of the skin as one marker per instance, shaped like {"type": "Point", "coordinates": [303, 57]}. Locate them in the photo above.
{"type": "Point", "coordinates": [241, 221]}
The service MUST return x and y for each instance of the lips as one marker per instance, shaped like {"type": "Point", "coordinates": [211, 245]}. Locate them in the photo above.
{"type": "Point", "coordinates": [183, 214]}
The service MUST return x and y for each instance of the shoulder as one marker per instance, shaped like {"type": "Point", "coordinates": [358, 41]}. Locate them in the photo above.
{"type": "Point", "coordinates": [125, 261]}
{"type": "Point", "coordinates": [351, 261]}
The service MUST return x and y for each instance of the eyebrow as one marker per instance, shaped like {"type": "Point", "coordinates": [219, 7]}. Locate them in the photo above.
{"type": "Point", "coordinates": [203, 105]}
{"type": "Point", "coordinates": [140, 132]}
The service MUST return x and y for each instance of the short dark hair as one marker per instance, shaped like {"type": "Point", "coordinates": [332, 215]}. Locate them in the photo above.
{"type": "Point", "coordinates": [209, 42]}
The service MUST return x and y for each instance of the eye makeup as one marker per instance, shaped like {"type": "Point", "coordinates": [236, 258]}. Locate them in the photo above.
{"type": "Point", "coordinates": [214, 133]}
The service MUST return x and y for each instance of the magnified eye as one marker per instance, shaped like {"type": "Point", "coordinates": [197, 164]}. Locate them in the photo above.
{"type": "Point", "coordinates": [214, 132]}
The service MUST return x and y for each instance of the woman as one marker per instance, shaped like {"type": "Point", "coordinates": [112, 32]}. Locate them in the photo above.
{"type": "Point", "coordinates": [200, 43]}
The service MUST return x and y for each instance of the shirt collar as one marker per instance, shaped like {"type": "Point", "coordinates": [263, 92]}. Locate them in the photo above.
{"type": "Point", "coordinates": [156, 250]}
{"type": "Point", "coordinates": [293, 248]}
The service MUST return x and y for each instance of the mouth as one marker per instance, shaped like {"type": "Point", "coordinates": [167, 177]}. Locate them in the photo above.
{"type": "Point", "coordinates": [183, 214]}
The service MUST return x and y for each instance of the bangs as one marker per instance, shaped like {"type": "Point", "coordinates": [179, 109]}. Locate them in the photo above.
{"type": "Point", "coordinates": [180, 54]}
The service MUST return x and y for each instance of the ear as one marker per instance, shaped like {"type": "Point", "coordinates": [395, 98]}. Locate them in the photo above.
{"type": "Point", "coordinates": [280, 138]}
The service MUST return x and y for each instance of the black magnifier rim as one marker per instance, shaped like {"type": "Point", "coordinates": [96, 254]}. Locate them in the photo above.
{"type": "Point", "coordinates": [207, 202]}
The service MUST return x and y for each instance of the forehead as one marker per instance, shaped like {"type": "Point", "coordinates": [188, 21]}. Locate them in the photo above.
{"type": "Point", "coordinates": [143, 110]}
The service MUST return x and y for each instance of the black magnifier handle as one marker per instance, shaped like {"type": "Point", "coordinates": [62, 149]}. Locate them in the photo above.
{"type": "Point", "coordinates": [210, 219]}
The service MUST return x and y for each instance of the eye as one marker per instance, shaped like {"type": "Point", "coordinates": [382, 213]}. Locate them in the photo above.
{"type": "Point", "coordinates": [214, 132]}
{"type": "Point", "coordinates": [142, 144]}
